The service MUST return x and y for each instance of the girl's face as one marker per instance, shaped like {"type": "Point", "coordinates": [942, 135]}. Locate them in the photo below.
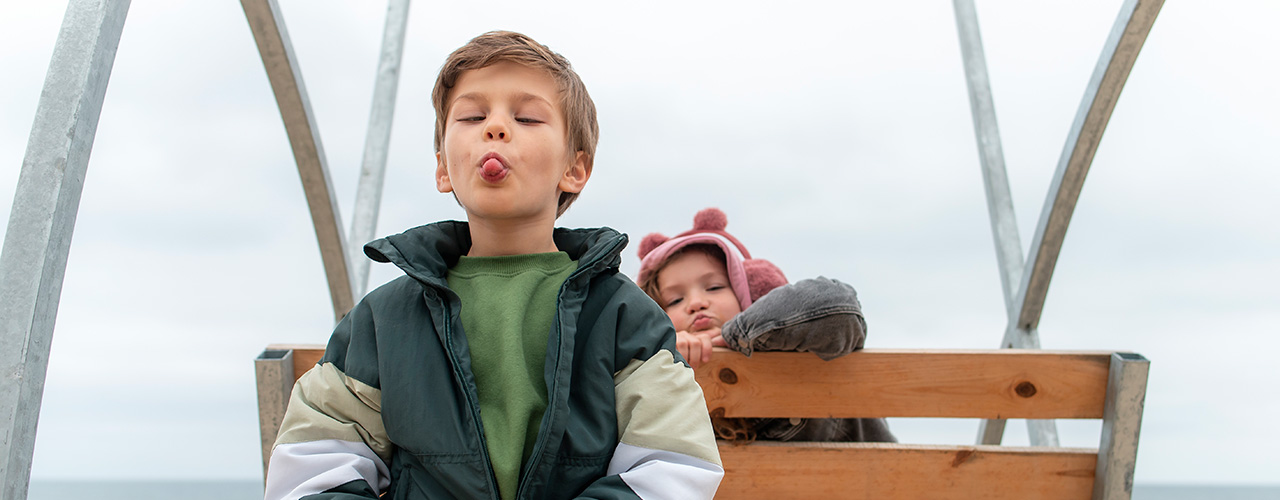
{"type": "Point", "coordinates": [696, 294]}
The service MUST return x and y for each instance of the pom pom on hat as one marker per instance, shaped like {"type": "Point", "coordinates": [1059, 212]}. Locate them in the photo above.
{"type": "Point", "coordinates": [750, 278]}
{"type": "Point", "coordinates": [710, 219]}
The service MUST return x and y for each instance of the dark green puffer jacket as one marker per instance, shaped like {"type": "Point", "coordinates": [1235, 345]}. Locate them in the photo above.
{"type": "Point", "coordinates": [392, 407]}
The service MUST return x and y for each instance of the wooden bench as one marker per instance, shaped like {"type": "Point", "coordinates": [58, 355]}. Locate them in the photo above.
{"type": "Point", "coordinates": [979, 384]}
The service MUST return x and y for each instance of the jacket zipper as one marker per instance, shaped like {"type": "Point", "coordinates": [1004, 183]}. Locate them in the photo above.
{"type": "Point", "coordinates": [540, 444]}
{"type": "Point", "coordinates": [471, 404]}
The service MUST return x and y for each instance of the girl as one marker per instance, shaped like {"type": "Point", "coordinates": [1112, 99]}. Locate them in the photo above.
{"type": "Point", "coordinates": [716, 294]}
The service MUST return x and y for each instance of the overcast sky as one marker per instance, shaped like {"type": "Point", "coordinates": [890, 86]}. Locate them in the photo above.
{"type": "Point", "coordinates": [838, 140]}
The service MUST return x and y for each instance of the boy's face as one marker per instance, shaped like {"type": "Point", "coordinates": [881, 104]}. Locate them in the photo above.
{"type": "Point", "coordinates": [505, 154]}
{"type": "Point", "coordinates": [696, 293]}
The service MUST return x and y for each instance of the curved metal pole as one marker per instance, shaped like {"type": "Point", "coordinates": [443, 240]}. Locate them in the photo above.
{"type": "Point", "coordinates": [1118, 56]}
{"type": "Point", "coordinates": [373, 169]}
{"type": "Point", "coordinates": [36, 243]}
{"type": "Point", "coordinates": [299, 122]}
{"type": "Point", "coordinates": [1128, 34]}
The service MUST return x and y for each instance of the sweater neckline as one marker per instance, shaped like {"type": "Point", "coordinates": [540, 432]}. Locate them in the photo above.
{"type": "Point", "coordinates": [512, 264]}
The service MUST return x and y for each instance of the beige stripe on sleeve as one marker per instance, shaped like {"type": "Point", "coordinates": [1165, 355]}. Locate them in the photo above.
{"type": "Point", "coordinates": [660, 407]}
{"type": "Point", "coordinates": [327, 404]}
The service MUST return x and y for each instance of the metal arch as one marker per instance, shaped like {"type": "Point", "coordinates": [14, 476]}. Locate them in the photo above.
{"type": "Point", "coordinates": [1118, 56]}
{"type": "Point", "coordinates": [1128, 34]}
{"type": "Point", "coordinates": [347, 273]}
{"type": "Point", "coordinates": [38, 239]}
{"type": "Point", "coordinates": [299, 122]}
{"type": "Point", "coordinates": [364, 220]}
{"type": "Point", "coordinates": [1004, 223]}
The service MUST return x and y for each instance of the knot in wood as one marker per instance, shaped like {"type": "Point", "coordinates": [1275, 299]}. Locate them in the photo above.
{"type": "Point", "coordinates": [963, 456]}
{"type": "Point", "coordinates": [1025, 389]}
{"type": "Point", "coordinates": [727, 376]}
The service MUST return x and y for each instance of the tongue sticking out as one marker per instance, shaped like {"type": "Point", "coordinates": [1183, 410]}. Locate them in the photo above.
{"type": "Point", "coordinates": [493, 170]}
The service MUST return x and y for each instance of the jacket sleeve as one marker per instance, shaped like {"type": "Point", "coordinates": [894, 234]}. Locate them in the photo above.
{"type": "Point", "coordinates": [819, 315]}
{"type": "Point", "coordinates": [332, 444]}
{"type": "Point", "coordinates": [666, 446]}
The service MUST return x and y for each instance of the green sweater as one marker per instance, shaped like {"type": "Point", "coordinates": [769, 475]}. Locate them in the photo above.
{"type": "Point", "coordinates": [508, 304]}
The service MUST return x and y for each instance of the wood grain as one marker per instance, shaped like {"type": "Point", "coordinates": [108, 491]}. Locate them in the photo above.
{"type": "Point", "coordinates": [1006, 383]}
{"type": "Point", "coordinates": [779, 471]}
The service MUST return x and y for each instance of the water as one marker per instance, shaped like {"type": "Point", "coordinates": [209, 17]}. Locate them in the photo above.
{"type": "Point", "coordinates": [252, 490]}
{"type": "Point", "coordinates": [145, 490]}
{"type": "Point", "coordinates": [1169, 492]}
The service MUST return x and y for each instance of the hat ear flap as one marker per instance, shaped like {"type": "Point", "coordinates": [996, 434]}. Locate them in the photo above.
{"type": "Point", "coordinates": [650, 242]}
{"type": "Point", "coordinates": [762, 277]}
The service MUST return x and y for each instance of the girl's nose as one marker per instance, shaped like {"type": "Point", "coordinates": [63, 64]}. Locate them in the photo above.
{"type": "Point", "coordinates": [697, 303]}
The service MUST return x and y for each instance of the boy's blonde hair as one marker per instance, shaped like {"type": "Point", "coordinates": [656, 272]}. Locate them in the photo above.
{"type": "Point", "coordinates": [583, 131]}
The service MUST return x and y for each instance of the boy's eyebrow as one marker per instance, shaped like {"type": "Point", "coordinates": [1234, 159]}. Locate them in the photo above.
{"type": "Point", "coordinates": [520, 97]}
{"type": "Point", "coordinates": [470, 96]}
{"type": "Point", "coordinates": [524, 97]}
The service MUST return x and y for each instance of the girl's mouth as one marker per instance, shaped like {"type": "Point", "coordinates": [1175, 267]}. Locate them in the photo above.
{"type": "Point", "coordinates": [701, 323]}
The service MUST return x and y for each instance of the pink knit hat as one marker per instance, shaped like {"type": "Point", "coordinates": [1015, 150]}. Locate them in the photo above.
{"type": "Point", "coordinates": [749, 278]}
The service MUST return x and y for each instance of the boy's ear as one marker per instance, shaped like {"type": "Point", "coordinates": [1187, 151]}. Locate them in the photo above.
{"type": "Point", "coordinates": [443, 184]}
{"type": "Point", "coordinates": [575, 178]}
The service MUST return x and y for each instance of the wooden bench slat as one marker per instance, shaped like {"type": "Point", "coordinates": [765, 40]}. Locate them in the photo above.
{"type": "Point", "coordinates": [908, 383]}
{"type": "Point", "coordinates": [880, 470]}
{"type": "Point", "coordinates": [1009, 383]}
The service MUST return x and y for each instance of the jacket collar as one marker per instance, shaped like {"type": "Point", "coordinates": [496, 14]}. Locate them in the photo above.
{"type": "Point", "coordinates": [427, 252]}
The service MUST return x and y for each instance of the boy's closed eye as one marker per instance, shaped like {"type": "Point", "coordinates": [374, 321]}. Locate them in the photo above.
{"type": "Point", "coordinates": [533, 112]}
{"type": "Point", "coordinates": [468, 111]}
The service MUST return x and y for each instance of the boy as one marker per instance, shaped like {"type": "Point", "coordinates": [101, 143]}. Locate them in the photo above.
{"type": "Point", "coordinates": [512, 360]}
{"type": "Point", "coordinates": [717, 295]}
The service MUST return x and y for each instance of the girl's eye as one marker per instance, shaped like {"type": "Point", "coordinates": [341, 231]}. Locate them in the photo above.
{"type": "Point", "coordinates": [675, 301]}
{"type": "Point", "coordinates": [713, 288]}
{"type": "Point", "coordinates": [471, 118]}
{"type": "Point", "coordinates": [528, 120]}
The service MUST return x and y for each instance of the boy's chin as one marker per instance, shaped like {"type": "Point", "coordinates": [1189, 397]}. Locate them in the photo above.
{"type": "Point", "coordinates": [507, 212]}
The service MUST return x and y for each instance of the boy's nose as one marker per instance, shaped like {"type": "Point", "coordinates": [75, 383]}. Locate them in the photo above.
{"type": "Point", "coordinates": [496, 130]}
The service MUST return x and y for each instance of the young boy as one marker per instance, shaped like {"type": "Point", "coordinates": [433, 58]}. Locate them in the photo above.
{"type": "Point", "coordinates": [513, 360]}
{"type": "Point", "coordinates": [717, 295]}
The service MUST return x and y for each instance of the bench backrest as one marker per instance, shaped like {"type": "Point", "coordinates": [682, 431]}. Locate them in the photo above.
{"type": "Point", "coordinates": [889, 383]}
{"type": "Point", "coordinates": [930, 383]}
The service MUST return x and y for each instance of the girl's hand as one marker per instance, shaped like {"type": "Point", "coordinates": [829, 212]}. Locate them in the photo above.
{"type": "Point", "coordinates": [696, 347]}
